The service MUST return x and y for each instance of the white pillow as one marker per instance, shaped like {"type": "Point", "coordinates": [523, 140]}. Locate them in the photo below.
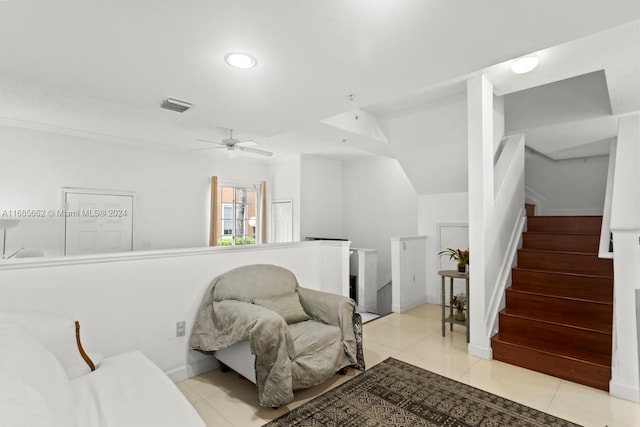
{"type": "Point", "coordinates": [27, 367]}
{"type": "Point", "coordinates": [57, 333]}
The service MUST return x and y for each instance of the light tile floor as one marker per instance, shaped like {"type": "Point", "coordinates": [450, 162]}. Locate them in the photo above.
{"type": "Point", "coordinates": [225, 400]}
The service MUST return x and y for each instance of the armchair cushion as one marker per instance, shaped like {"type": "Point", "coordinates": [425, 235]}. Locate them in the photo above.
{"type": "Point", "coordinates": [287, 305]}
{"type": "Point", "coordinates": [253, 281]}
{"type": "Point", "coordinates": [311, 339]}
{"type": "Point", "coordinates": [333, 310]}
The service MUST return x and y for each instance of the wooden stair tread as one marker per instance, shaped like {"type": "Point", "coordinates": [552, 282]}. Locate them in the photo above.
{"type": "Point", "coordinates": [585, 323]}
{"type": "Point", "coordinates": [558, 252]}
{"type": "Point", "coordinates": [563, 297]}
{"type": "Point", "coordinates": [574, 262]}
{"type": "Point", "coordinates": [577, 340]}
{"type": "Point", "coordinates": [591, 286]}
{"type": "Point", "coordinates": [591, 358]}
{"type": "Point", "coordinates": [590, 373]}
{"type": "Point", "coordinates": [567, 273]}
{"type": "Point", "coordinates": [572, 242]}
{"type": "Point", "coordinates": [564, 233]}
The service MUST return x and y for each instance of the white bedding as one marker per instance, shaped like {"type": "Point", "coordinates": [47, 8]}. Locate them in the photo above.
{"type": "Point", "coordinates": [44, 382]}
{"type": "Point", "coordinates": [130, 390]}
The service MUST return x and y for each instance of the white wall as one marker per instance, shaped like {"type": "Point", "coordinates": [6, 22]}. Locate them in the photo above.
{"type": "Point", "coordinates": [434, 209]}
{"type": "Point", "coordinates": [568, 187]}
{"type": "Point", "coordinates": [132, 301]}
{"type": "Point", "coordinates": [321, 198]}
{"type": "Point", "coordinates": [430, 141]}
{"type": "Point", "coordinates": [409, 287]}
{"type": "Point", "coordinates": [172, 187]}
{"type": "Point", "coordinates": [379, 202]}
{"type": "Point", "coordinates": [284, 184]}
{"type": "Point", "coordinates": [498, 121]}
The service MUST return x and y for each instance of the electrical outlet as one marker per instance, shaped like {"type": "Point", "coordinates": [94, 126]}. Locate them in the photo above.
{"type": "Point", "coordinates": [180, 329]}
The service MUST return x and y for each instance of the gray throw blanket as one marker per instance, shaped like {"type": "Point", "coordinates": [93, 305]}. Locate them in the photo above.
{"type": "Point", "coordinates": [288, 357]}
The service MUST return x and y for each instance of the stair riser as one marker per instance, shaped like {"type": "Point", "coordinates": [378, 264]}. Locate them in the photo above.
{"type": "Point", "coordinates": [565, 224]}
{"type": "Point", "coordinates": [581, 372]}
{"type": "Point", "coordinates": [552, 336]}
{"type": "Point", "coordinates": [559, 309]}
{"type": "Point", "coordinates": [568, 285]}
{"type": "Point", "coordinates": [565, 262]}
{"type": "Point", "coordinates": [561, 242]}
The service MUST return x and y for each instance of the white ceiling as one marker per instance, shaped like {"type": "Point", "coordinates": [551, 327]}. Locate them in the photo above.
{"type": "Point", "coordinates": [102, 67]}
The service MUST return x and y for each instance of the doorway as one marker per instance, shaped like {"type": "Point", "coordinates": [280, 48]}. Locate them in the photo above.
{"type": "Point", "coordinates": [281, 221]}
{"type": "Point", "coordinates": [97, 221]}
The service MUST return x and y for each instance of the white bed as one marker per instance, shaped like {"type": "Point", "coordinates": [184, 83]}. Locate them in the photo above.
{"type": "Point", "coordinates": [45, 382]}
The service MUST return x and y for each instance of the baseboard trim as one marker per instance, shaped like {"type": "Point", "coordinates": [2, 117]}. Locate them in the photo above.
{"type": "Point", "coordinates": [624, 391]}
{"type": "Point", "coordinates": [366, 308]}
{"type": "Point", "coordinates": [192, 369]}
{"type": "Point", "coordinates": [401, 308]}
{"type": "Point", "coordinates": [481, 352]}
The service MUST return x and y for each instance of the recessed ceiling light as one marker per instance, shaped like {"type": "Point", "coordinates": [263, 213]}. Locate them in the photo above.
{"type": "Point", "coordinates": [524, 64]}
{"type": "Point", "coordinates": [240, 60]}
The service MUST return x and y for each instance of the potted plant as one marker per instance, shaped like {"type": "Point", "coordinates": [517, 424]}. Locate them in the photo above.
{"type": "Point", "coordinates": [459, 302]}
{"type": "Point", "coordinates": [461, 256]}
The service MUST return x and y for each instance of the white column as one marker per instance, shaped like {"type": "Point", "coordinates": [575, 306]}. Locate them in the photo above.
{"type": "Point", "coordinates": [480, 146]}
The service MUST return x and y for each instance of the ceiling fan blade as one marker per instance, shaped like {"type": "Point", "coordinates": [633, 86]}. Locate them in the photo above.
{"type": "Point", "coordinates": [254, 150]}
{"type": "Point", "coordinates": [212, 142]}
{"type": "Point", "coordinates": [207, 148]}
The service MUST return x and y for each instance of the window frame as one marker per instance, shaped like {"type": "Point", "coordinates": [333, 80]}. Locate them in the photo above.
{"type": "Point", "coordinates": [235, 186]}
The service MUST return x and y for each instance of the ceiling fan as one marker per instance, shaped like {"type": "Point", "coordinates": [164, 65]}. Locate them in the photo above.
{"type": "Point", "coordinates": [232, 144]}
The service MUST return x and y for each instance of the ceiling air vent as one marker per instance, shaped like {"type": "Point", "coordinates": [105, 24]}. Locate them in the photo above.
{"type": "Point", "coordinates": [174, 104]}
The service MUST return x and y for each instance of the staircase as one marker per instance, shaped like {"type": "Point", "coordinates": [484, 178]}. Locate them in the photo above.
{"type": "Point", "coordinates": [559, 309]}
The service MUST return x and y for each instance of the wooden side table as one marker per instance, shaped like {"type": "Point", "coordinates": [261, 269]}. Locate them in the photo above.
{"type": "Point", "coordinates": [454, 274]}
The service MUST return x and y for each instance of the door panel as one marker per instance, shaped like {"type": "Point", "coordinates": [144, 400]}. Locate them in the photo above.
{"type": "Point", "coordinates": [281, 222]}
{"type": "Point", "coordinates": [98, 223]}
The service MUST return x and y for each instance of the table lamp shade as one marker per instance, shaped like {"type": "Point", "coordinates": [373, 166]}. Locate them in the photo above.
{"type": "Point", "coordinates": [7, 223]}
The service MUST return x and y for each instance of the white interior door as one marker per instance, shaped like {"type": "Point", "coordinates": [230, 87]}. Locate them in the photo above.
{"type": "Point", "coordinates": [281, 221]}
{"type": "Point", "coordinates": [98, 223]}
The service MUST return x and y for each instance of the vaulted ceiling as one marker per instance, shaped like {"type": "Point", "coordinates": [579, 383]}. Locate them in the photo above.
{"type": "Point", "coordinates": [101, 68]}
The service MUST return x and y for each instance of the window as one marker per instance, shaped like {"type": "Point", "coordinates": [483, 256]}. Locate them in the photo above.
{"type": "Point", "coordinates": [237, 207]}
{"type": "Point", "coordinates": [227, 219]}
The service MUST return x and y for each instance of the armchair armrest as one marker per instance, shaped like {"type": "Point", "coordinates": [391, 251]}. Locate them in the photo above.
{"type": "Point", "coordinates": [336, 310]}
{"type": "Point", "coordinates": [234, 321]}
{"type": "Point", "coordinates": [325, 307]}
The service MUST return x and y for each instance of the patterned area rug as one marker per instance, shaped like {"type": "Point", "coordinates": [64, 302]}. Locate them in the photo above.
{"type": "Point", "coordinates": [395, 393]}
